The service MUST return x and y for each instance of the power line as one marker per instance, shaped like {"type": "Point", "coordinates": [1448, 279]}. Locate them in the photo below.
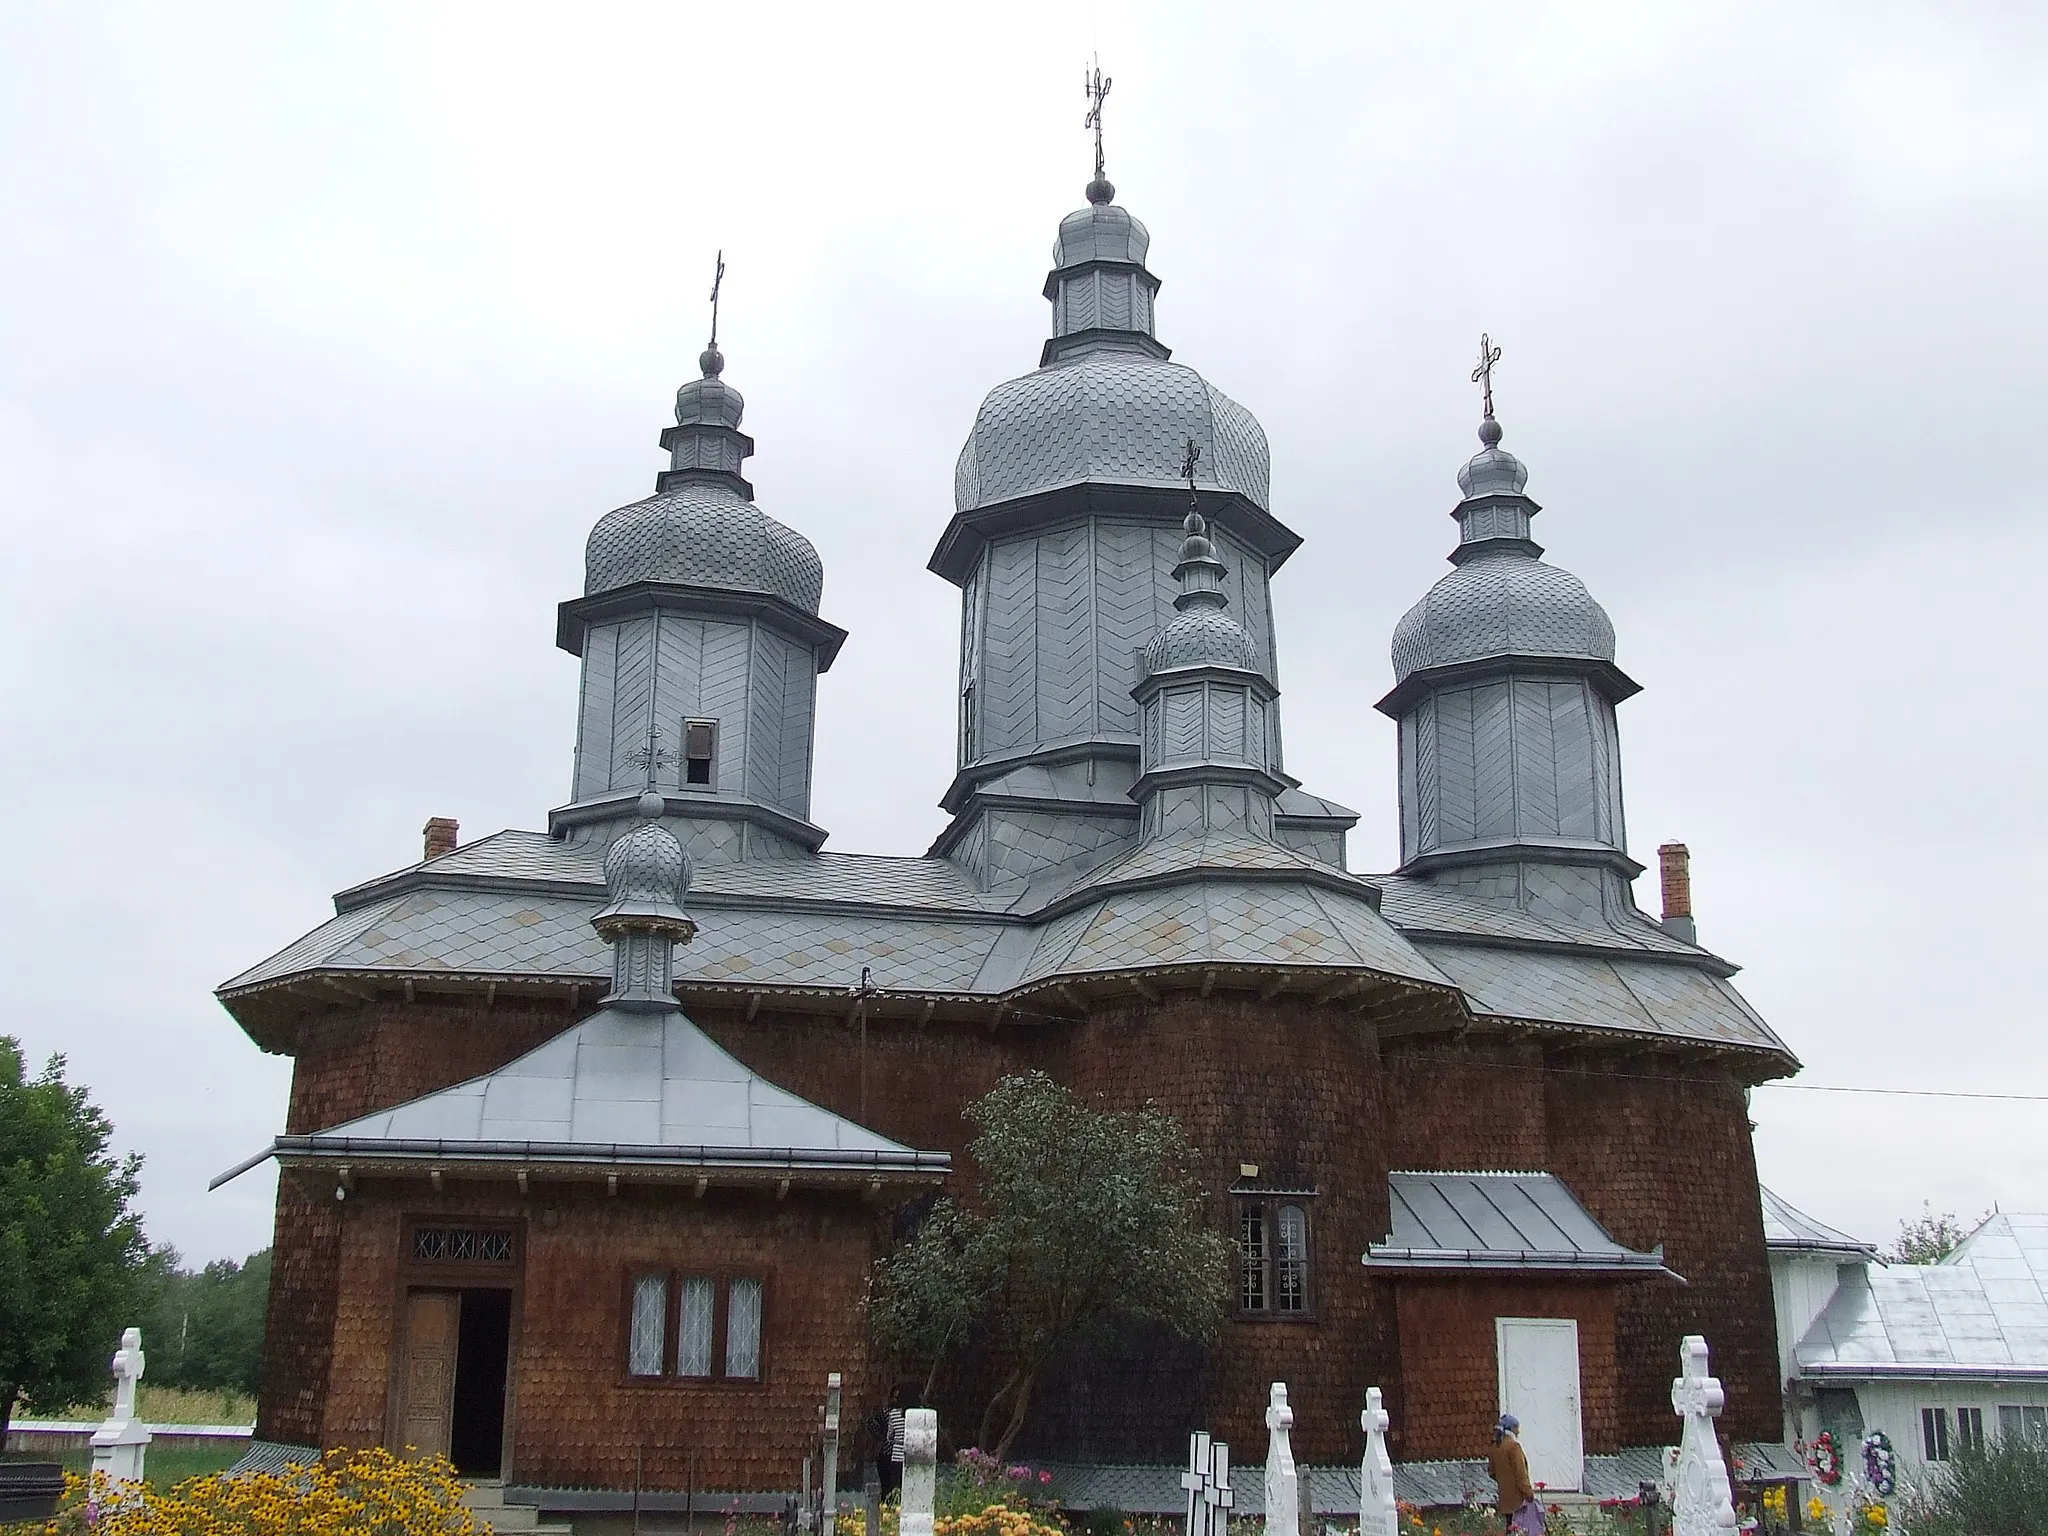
{"type": "Point", "coordinates": [1915, 1093]}
{"type": "Point", "coordinates": [1522, 1068]}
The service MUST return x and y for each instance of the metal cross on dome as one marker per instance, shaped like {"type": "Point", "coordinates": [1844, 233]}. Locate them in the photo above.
{"type": "Point", "coordinates": [653, 757]}
{"type": "Point", "coordinates": [1187, 470]}
{"type": "Point", "coordinates": [1489, 354]}
{"type": "Point", "coordinates": [717, 282]}
{"type": "Point", "coordinates": [1096, 86]}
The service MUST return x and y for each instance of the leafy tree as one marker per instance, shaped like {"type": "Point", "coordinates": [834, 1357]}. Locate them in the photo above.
{"type": "Point", "coordinates": [71, 1251]}
{"type": "Point", "coordinates": [1927, 1239]}
{"type": "Point", "coordinates": [1083, 1219]}
{"type": "Point", "coordinates": [208, 1325]}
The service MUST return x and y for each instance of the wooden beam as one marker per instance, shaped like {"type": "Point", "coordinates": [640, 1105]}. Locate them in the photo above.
{"type": "Point", "coordinates": [753, 1005]}
{"type": "Point", "coordinates": [930, 1006]}
{"type": "Point", "coordinates": [1208, 981]}
{"type": "Point", "coordinates": [1145, 989]}
{"type": "Point", "coordinates": [1275, 985]}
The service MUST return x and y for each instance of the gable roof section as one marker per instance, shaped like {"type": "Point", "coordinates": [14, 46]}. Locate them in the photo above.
{"type": "Point", "coordinates": [1980, 1314]}
{"type": "Point", "coordinates": [1448, 1221]}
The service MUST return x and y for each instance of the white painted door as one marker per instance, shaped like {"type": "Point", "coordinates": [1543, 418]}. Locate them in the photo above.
{"type": "Point", "coordinates": [1539, 1384]}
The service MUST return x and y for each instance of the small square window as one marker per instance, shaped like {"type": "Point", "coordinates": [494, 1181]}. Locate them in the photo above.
{"type": "Point", "coordinates": [700, 750]}
{"type": "Point", "coordinates": [675, 1321]}
{"type": "Point", "coordinates": [647, 1340]}
{"type": "Point", "coordinates": [2016, 1419]}
{"type": "Point", "coordinates": [693, 1337]}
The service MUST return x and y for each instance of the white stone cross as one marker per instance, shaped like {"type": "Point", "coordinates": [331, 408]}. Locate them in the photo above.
{"type": "Point", "coordinates": [1376, 1514]}
{"type": "Point", "coordinates": [129, 1364]}
{"type": "Point", "coordinates": [1283, 1489]}
{"type": "Point", "coordinates": [828, 1459]}
{"type": "Point", "coordinates": [1207, 1482]}
{"type": "Point", "coordinates": [1218, 1493]}
{"type": "Point", "coordinates": [120, 1444]}
{"type": "Point", "coordinates": [1701, 1505]}
{"type": "Point", "coordinates": [920, 1471]}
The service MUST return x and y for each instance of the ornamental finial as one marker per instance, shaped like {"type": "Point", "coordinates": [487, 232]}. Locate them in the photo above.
{"type": "Point", "coordinates": [1095, 85]}
{"type": "Point", "coordinates": [1489, 354]}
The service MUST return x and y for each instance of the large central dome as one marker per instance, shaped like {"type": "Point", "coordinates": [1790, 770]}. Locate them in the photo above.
{"type": "Point", "coordinates": [1108, 414]}
{"type": "Point", "coordinates": [1106, 404]}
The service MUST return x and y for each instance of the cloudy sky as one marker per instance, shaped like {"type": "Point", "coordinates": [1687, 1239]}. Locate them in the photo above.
{"type": "Point", "coordinates": [327, 332]}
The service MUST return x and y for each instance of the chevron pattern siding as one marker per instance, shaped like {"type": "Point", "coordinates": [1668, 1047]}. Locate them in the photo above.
{"type": "Point", "coordinates": [1126, 616]}
{"type": "Point", "coordinates": [799, 704]}
{"type": "Point", "coordinates": [594, 712]}
{"type": "Point", "coordinates": [631, 700]}
{"type": "Point", "coordinates": [764, 717]}
{"type": "Point", "coordinates": [1006, 693]}
{"type": "Point", "coordinates": [1065, 634]}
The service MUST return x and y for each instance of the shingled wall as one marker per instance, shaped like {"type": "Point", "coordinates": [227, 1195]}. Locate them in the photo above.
{"type": "Point", "coordinates": [1658, 1151]}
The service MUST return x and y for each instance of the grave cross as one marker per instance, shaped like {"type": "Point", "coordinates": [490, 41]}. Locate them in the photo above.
{"type": "Point", "coordinates": [1376, 1513]}
{"type": "Point", "coordinates": [1489, 354]}
{"type": "Point", "coordinates": [1283, 1488]}
{"type": "Point", "coordinates": [1221, 1498]}
{"type": "Point", "coordinates": [1195, 1481]}
{"type": "Point", "coordinates": [1701, 1505]}
{"type": "Point", "coordinates": [129, 1363]}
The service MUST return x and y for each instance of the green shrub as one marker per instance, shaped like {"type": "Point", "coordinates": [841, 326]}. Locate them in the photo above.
{"type": "Point", "coordinates": [1104, 1522]}
{"type": "Point", "coordinates": [2001, 1490]}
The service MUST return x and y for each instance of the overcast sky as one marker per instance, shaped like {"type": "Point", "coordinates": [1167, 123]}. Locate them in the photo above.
{"type": "Point", "coordinates": [326, 333]}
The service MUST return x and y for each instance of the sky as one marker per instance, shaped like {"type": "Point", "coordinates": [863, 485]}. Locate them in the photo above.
{"type": "Point", "coordinates": [327, 332]}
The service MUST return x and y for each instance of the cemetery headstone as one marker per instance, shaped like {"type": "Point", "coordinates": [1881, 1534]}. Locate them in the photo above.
{"type": "Point", "coordinates": [1701, 1504]}
{"type": "Point", "coordinates": [828, 1459]}
{"type": "Point", "coordinates": [1376, 1515]}
{"type": "Point", "coordinates": [119, 1445]}
{"type": "Point", "coordinates": [1207, 1481]}
{"type": "Point", "coordinates": [920, 1471]}
{"type": "Point", "coordinates": [1283, 1491]}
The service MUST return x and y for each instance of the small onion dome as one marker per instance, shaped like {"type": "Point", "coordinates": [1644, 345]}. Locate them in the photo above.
{"type": "Point", "coordinates": [710, 401]}
{"type": "Point", "coordinates": [646, 873]}
{"type": "Point", "coordinates": [1492, 471]}
{"type": "Point", "coordinates": [703, 534]}
{"type": "Point", "coordinates": [1201, 637]}
{"type": "Point", "coordinates": [1502, 602]}
{"type": "Point", "coordinates": [1100, 232]}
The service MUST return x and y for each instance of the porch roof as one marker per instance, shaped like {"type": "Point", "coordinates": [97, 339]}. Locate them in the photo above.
{"type": "Point", "coordinates": [1500, 1221]}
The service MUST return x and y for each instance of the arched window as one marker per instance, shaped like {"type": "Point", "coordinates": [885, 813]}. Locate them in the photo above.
{"type": "Point", "coordinates": [1272, 1258]}
{"type": "Point", "coordinates": [1290, 1259]}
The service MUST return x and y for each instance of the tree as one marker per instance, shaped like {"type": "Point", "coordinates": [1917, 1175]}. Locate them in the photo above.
{"type": "Point", "coordinates": [208, 1324]}
{"type": "Point", "coordinates": [1083, 1219]}
{"type": "Point", "coordinates": [1928, 1239]}
{"type": "Point", "coordinates": [71, 1251]}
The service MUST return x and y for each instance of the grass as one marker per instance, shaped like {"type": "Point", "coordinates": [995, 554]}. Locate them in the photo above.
{"type": "Point", "coordinates": [172, 1405]}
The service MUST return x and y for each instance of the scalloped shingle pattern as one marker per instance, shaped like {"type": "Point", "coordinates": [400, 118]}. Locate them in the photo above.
{"type": "Point", "coordinates": [703, 535]}
{"type": "Point", "coordinates": [1501, 603]}
{"type": "Point", "coordinates": [1108, 415]}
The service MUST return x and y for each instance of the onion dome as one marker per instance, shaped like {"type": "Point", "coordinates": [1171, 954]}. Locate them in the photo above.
{"type": "Point", "coordinates": [1105, 403]}
{"type": "Point", "coordinates": [701, 527]}
{"type": "Point", "coordinates": [1202, 633]}
{"type": "Point", "coordinates": [646, 873]}
{"type": "Point", "coordinates": [1502, 599]}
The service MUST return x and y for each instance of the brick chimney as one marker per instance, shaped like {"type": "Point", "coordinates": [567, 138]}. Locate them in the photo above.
{"type": "Point", "coordinates": [440, 833]}
{"type": "Point", "coordinates": [1674, 875]}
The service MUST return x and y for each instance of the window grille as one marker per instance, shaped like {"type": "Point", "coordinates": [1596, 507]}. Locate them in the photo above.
{"type": "Point", "coordinates": [645, 1343]}
{"type": "Point", "coordinates": [1291, 1259]}
{"type": "Point", "coordinates": [693, 1338]}
{"type": "Point", "coordinates": [1970, 1429]}
{"type": "Point", "coordinates": [1934, 1433]}
{"type": "Point", "coordinates": [462, 1245]}
{"type": "Point", "coordinates": [1251, 1259]}
{"type": "Point", "coordinates": [700, 750]}
{"type": "Point", "coordinates": [743, 1330]}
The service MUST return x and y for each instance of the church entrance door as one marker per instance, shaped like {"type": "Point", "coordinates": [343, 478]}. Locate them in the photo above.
{"type": "Point", "coordinates": [1539, 1384]}
{"type": "Point", "coordinates": [453, 1377]}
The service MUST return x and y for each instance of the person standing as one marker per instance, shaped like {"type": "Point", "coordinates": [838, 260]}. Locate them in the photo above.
{"type": "Point", "coordinates": [1508, 1466]}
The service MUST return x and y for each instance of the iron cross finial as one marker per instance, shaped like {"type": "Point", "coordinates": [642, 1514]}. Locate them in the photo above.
{"type": "Point", "coordinates": [1188, 462]}
{"type": "Point", "coordinates": [1096, 86]}
{"type": "Point", "coordinates": [653, 757]}
{"type": "Point", "coordinates": [1489, 354]}
{"type": "Point", "coordinates": [717, 282]}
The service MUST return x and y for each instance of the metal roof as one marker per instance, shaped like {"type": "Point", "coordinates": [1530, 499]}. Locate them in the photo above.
{"type": "Point", "coordinates": [1464, 1221]}
{"type": "Point", "coordinates": [1981, 1313]}
{"type": "Point", "coordinates": [1787, 1229]}
{"type": "Point", "coordinates": [638, 1088]}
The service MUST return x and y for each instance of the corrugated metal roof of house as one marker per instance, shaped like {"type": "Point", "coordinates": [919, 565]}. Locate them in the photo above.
{"type": "Point", "coordinates": [1450, 1220]}
{"type": "Point", "coordinates": [1787, 1229]}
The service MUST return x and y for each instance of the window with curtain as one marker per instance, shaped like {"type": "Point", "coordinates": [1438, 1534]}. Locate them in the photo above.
{"type": "Point", "coordinates": [743, 1330]}
{"type": "Point", "coordinates": [694, 1327]}
{"type": "Point", "coordinates": [694, 1334]}
{"type": "Point", "coordinates": [1934, 1433]}
{"type": "Point", "coordinates": [2021, 1419]}
{"type": "Point", "coordinates": [647, 1335]}
{"type": "Point", "coordinates": [1970, 1429]}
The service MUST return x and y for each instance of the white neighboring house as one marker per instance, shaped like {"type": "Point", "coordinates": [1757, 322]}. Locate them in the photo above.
{"type": "Point", "coordinates": [1935, 1355]}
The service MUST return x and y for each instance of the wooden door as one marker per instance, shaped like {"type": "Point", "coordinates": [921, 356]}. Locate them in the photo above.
{"type": "Point", "coordinates": [1539, 1384]}
{"type": "Point", "coordinates": [433, 1325]}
